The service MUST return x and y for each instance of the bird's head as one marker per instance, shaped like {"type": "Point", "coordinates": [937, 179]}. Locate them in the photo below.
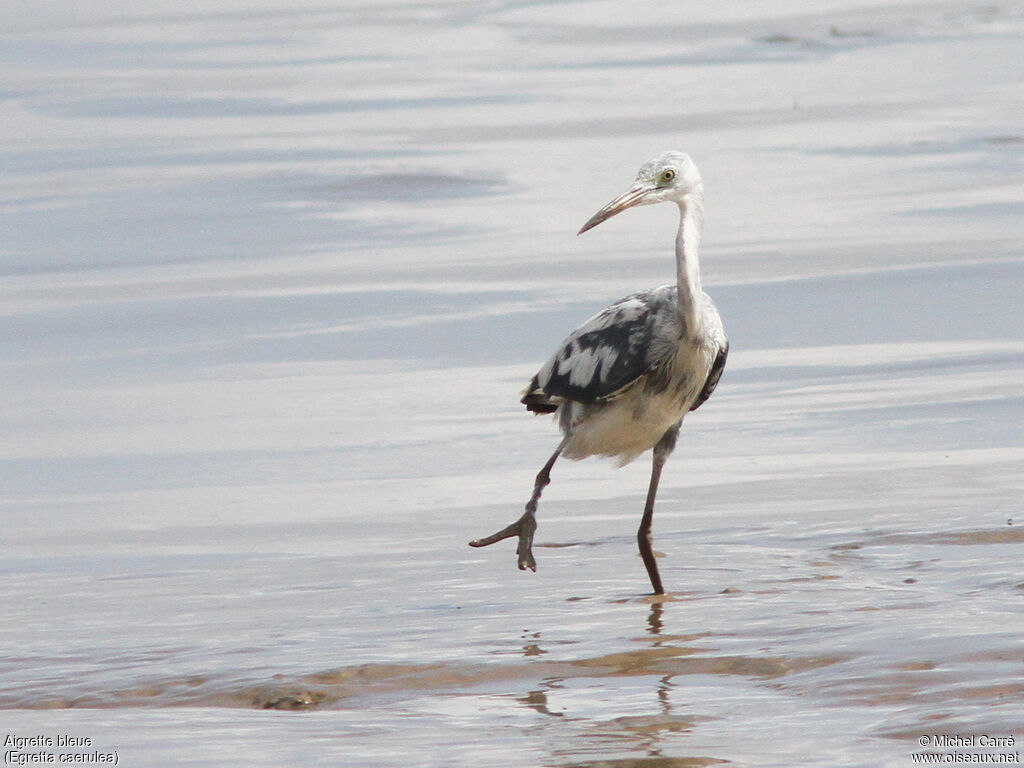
{"type": "Point", "coordinates": [669, 176]}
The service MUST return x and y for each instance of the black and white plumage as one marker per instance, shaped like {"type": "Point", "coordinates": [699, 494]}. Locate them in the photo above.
{"type": "Point", "coordinates": [622, 382]}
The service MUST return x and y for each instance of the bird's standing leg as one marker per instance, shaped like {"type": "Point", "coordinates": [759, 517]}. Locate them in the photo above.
{"type": "Point", "coordinates": [527, 524]}
{"type": "Point", "coordinates": [643, 536]}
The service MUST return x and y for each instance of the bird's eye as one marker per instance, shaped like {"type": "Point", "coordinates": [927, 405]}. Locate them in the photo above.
{"type": "Point", "coordinates": [667, 175]}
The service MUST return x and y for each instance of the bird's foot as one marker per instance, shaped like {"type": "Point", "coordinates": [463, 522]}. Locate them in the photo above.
{"type": "Point", "coordinates": [523, 528]}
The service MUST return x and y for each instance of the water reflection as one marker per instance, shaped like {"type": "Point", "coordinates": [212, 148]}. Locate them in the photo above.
{"type": "Point", "coordinates": [533, 649]}
{"type": "Point", "coordinates": [537, 700]}
{"type": "Point", "coordinates": [654, 619]}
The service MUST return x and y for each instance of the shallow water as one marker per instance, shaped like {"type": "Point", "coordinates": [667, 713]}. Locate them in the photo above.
{"type": "Point", "coordinates": [274, 273]}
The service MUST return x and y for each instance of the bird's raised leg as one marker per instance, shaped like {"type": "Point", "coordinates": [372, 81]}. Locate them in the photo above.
{"type": "Point", "coordinates": [643, 536]}
{"type": "Point", "coordinates": [527, 524]}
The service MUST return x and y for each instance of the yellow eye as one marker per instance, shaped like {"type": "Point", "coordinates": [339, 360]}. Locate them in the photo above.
{"type": "Point", "coordinates": [667, 175]}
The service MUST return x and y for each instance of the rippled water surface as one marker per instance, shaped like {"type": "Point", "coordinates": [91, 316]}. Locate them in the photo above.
{"type": "Point", "coordinates": [274, 274]}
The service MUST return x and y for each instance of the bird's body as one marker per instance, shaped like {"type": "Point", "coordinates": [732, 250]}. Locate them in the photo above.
{"type": "Point", "coordinates": [627, 375]}
{"type": "Point", "coordinates": [622, 382]}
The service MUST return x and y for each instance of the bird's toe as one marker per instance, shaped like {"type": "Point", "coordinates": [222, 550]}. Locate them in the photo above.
{"type": "Point", "coordinates": [527, 562]}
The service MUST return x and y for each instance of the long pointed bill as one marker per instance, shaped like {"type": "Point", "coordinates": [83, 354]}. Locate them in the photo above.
{"type": "Point", "coordinates": [634, 196]}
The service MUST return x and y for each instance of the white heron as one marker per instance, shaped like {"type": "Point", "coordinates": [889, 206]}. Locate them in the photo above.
{"type": "Point", "coordinates": [622, 382]}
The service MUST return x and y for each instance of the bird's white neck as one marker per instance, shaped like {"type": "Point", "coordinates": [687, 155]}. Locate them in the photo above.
{"type": "Point", "coordinates": [691, 224]}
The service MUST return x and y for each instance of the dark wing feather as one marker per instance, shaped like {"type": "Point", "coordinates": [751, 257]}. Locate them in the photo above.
{"type": "Point", "coordinates": [608, 352]}
{"type": "Point", "coordinates": [713, 376]}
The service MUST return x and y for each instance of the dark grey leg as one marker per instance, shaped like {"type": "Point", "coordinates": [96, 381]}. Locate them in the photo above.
{"type": "Point", "coordinates": [527, 524]}
{"type": "Point", "coordinates": [643, 536]}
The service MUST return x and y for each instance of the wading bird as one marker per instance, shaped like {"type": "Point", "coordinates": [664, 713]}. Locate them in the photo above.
{"type": "Point", "coordinates": [622, 382]}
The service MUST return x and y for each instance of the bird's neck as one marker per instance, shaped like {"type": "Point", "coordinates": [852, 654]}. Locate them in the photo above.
{"type": "Point", "coordinates": [691, 224]}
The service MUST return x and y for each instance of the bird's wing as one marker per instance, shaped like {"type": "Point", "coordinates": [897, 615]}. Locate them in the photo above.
{"type": "Point", "coordinates": [713, 327]}
{"type": "Point", "coordinates": [608, 352]}
{"type": "Point", "coordinates": [713, 376]}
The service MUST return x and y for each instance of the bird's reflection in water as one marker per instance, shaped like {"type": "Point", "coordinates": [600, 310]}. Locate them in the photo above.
{"type": "Point", "coordinates": [654, 621]}
{"type": "Point", "coordinates": [655, 624]}
{"type": "Point", "coordinates": [645, 724]}
{"type": "Point", "coordinates": [531, 648]}
{"type": "Point", "coordinates": [538, 702]}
